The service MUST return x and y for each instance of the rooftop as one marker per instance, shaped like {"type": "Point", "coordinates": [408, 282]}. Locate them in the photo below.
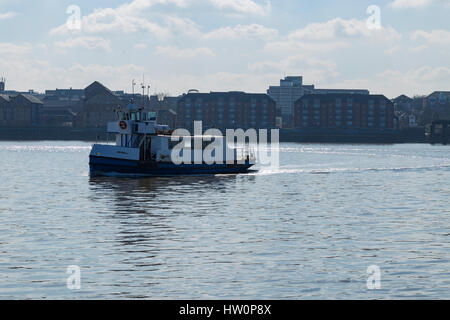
{"type": "Point", "coordinates": [31, 98]}
{"type": "Point", "coordinates": [5, 97]}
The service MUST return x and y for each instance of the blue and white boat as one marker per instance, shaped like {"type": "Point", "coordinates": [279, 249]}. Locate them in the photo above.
{"type": "Point", "coordinates": [144, 148]}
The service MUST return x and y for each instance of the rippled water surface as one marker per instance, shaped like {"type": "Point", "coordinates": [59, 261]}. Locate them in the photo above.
{"type": "Point", "coordinates": [306, 230]}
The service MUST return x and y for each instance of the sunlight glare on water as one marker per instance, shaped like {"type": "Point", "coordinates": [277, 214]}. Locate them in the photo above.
{"type": "Point", "coordinates": [308, 229]}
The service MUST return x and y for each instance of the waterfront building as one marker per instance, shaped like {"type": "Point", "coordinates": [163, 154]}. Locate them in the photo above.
{"type": "Point", "coordinates": [2, 84]}
{"type": "Point", "coordinates": [163, 102]}
{"type": "Point", "coordinates": [343, 91]}
{"type": "Point", "coordinates": [438, 99]}
{"type": "Point", "coordinates": [165, 108]}
{"type": "Point", "coordinates": [21, 110]}
{"type": "Point", "coordinates": [226, 110]}
{"type": "Point", "coordinates": [137, 98]}
{"type": "Point", "coordinates": [4, 109]}
{"type": "Point", "coordinates": [65, 94]}
{"type": "Point", "coordinates": [60, 113]}
{"type": "Point", "coordinates": [291, 89]}
{"type": "Point", "coordinates": [61, 106]}
{"type": "Point", "coordinates": [403, 103]}
{"type": "Point", "coordinates": [344, 111]}
{"type": "Point", "coordinates": [167, 117]}
{"type": "Point", "coordinates": [436, 107]}
{"type": "Point", "coordinates": [285, 95]}
{"type": "Point", "coordinates": [97, 106]}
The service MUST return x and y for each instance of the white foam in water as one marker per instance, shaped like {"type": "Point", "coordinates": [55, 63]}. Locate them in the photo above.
{"type": "Point", "coordinates": [31, 148]}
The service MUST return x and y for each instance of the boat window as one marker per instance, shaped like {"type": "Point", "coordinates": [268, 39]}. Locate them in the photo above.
{"type": "Point", "coordinates": [172, 144]}
{"type": "Point", "coordinates": [133, 116]}
{"type": "Point", "coordinates": [152, 116]}
{"type": "Point", "coordinates": [138, 116]}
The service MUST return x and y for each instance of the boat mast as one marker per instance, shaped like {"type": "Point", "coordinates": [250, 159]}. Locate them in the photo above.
{"type": "Point", "coordinates": [133, 83]}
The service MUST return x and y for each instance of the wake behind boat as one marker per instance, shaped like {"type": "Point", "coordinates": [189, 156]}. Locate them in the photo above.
{"type": "Point", "coordinates": [144, 148]}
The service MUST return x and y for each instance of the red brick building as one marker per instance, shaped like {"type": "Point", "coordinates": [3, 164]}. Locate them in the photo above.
{"type": "Point", "coordinates": [344, 111]}
{"type": "Point", "coordinates": [226, 110]}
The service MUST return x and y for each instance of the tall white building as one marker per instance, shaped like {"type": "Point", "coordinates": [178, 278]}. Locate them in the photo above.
{"type": "Point", "coordinates": [286, 94]}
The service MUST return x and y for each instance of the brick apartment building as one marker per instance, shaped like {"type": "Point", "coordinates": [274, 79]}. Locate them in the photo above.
{"type": "Point", "coordinates": [344, 111]}
{"type": "Point", "coordinates": [226, 110]}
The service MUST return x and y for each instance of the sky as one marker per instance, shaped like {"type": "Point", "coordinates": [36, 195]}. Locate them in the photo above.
{"type": "Point", "coordinates": [390, 47]}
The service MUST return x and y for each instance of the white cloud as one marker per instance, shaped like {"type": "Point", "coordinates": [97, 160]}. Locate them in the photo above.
{"type": "Point", "coordinates": [112, 20]}
{"type": "Point", "coordinates": [7, 15]}
{"type": "Point", "coordinates": [241, 6]}
{"type": "Point", "coordinates": [187, 27]}
{"type": "Point", "coordinates": [393, 82]}
{"type": "Point", "coordinates": [330, 36]}
{"type": "Point", "coordinates": [433, 37]}
{"type": "Point", "coordinates": [14, 49]}
{"type": "Point", "coordinates": [392, 50]}
{"type": "Point", "coordinates": [314, 69]}
{"type": "Point", "coordinates": [177, 53]}
{"type": "Point", "coordinates": [402, 4]}
{"type": "Point", "coordinates": [244, 6]}
{"type": "Point", "coordinates": [338, 28]}
{"type": "Point", "coordinates": [216, 81]}
{"type": "Point", "coordinates": [140, 46]}
{"type": "Point", "coordinates": [291, 62]}
{"type": "Point", "coordinates": [90, 43]}
{"type": "Point", "coordinates": [242, 31]}
{"type": "Point", "coordinates": [43, 74]}
{"type": "Point", "coordinates": [292, 46]}
{"type": "Point", "coordinates": [183, 26]}
{"type": "Point", "coordinates": [130, 17]}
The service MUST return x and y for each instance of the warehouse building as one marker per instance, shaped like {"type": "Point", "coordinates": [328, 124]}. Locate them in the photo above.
{"type": "Point", "coordinates": [226, 110]}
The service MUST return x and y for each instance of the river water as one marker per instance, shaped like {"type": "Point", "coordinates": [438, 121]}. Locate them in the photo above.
{"type": "Point", "coordinates": [306, 230]}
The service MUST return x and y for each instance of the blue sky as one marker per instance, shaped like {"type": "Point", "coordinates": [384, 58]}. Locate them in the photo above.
{"type": "Point", "coordinates": [215, 45]}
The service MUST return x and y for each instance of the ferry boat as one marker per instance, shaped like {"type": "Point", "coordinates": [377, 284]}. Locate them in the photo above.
{"type": "Point", "coordinates": [144, 148]}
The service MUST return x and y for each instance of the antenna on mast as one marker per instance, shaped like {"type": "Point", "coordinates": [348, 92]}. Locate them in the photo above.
{"type": "Point", "coordinates": [143, 90]}
{"type": "Point", "coordinates": [133, 83]}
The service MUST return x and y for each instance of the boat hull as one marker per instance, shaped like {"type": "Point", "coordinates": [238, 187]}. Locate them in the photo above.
{"type": "Point", "coordinates": [101, 166]}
